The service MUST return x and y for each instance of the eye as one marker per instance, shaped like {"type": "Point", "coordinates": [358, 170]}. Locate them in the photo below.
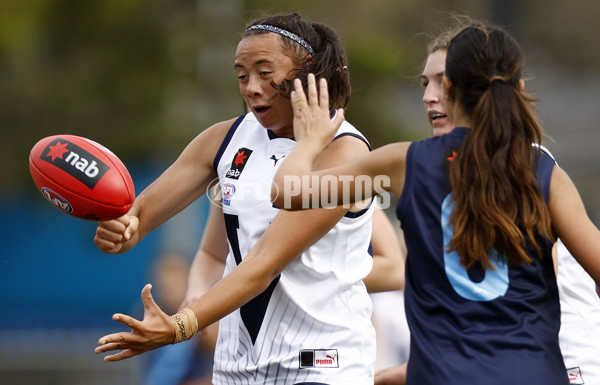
{"type": "Point", "coordinates": [242, 77]}
{"type": "Point", "coordinates": [424, 83]}
{"type": "Point", "coordinates": [265, 73]}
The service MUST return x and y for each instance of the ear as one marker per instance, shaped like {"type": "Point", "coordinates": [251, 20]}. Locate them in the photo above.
{"type": "Point", "coordinates": [447, 85]}
{"type": "Point", "coordinates": [521, 85]}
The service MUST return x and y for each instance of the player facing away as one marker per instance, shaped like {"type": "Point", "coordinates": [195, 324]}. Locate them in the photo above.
{"type": "Point", "coordinates": [480, 208]}
{"type": "Point", "coordinates": [579, 334]}
{"type": "Point", "coordinates": [292, 303]}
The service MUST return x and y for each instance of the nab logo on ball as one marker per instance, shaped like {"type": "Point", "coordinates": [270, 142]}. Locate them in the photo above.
{"type": "Point", "coordinates": [76, 161]}
{"type": "Point", "coordinates": [239, 162]}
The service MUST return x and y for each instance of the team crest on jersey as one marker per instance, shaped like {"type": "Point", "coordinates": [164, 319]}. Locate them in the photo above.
{"type": "Point", "coordinates": [238, 163]}
{"type": "Point", "coordinates": [575, 376]}
{"type": "Point", "coordinates": [449, 156]}
{"type": "Point", "coordinates": [319, 358]}
{"type": "Point", "coordinates": [76, 161]}
{"type": "Point", "coordinates": [228, 191]}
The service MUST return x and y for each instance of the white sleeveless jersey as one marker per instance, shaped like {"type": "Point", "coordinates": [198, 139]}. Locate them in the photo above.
{"type": "Point", "coordinates": [313, 322]}
{"type": "Point", "coordinates": [579, 335]}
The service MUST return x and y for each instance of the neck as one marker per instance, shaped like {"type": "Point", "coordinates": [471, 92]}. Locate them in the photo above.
{"type": "Point", "coordinates": [463, 122]}
{"type": "Point", "coordinates": [459, 118]}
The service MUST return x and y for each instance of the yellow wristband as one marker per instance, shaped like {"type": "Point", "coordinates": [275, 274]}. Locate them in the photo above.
{"type": "Point", "coordinates": [185, 324]}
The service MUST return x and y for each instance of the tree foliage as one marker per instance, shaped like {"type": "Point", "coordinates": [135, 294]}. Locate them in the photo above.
{"type": "Point", "coordinates": [144, 77]}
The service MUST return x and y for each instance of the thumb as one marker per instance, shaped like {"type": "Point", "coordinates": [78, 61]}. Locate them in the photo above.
{"type": "Point", "coordinates": [132, 227]}
{"type": "Point", "coordinates": [149, 305]}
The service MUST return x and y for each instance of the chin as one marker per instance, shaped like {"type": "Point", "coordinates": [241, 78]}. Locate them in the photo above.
{"type": "Point", "coordinates": [439, 131]}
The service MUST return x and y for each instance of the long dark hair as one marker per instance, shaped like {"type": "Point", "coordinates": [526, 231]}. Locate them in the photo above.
{"type": "Point", "coordinates": [329, 60]}
{"type": "Point", "coordinates": [497, 200]}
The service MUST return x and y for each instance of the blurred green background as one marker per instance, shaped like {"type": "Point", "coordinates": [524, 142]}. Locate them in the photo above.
{"type": "Point", "coordinates": [144, 77]}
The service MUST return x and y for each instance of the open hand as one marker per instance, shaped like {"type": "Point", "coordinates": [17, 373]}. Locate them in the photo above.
{"type": "Point", "coordinates": [154, 331]}
{"type": "Point", "coordinates": [312, 117]}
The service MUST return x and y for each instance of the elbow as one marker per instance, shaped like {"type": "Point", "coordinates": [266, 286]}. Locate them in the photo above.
{"type": "Point", "coordinates": [285, 195]}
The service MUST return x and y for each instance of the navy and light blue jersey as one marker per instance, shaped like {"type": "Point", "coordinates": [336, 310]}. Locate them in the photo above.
{"type": "Point", "coordinates": [493, 327]}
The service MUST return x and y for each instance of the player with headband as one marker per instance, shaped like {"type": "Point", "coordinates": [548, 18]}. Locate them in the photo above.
{"type": "Point", "coordinates": [292, 303]}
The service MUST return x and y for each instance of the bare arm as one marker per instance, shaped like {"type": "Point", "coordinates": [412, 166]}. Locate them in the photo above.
{"type": "Point", "coordinates": [276, 249]}
{"type": "Point", "coordinates": [395, 375]}
{"type": "Point", "coordinates": [384, 167]}
{"type": "Point", "coordinates": [572, 224]}
{"type": "Point", "coordinates": [267, 258]}
{"type": "Point", "coordinates": [182, 183]}
{"type": "Point", "coordinates": [388, 258]}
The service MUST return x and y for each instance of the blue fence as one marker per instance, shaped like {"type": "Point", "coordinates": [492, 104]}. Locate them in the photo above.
{"type": "Point", "coordinates": [53, 276]}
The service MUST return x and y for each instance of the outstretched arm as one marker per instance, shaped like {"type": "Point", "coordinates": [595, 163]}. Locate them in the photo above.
{"type": "Point", "coordinates": [167, 195]}
{"type": "Point", "coordinates": [267, 258]}
{"type": "Point", "coordinates": [297, 185]}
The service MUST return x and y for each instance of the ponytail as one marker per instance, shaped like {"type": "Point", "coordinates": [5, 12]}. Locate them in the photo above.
{"type": "Point", "coordinates": [498, 204]}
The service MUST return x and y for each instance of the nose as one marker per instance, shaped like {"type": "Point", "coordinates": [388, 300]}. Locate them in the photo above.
{"type": "Point", "coordinates": [430, 95]}
{"type": "Point", "coordinates": [253, 88]}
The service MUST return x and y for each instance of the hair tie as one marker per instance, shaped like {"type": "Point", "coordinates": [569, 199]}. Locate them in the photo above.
{"type": "Point", "coordinates": [283, 32]}
{"type": "Point", "coordinates": [497, 78]}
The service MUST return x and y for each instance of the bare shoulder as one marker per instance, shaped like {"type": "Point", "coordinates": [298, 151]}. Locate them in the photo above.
{"type": "Point", "coordinates": [207, 143]}
{"type": "Point", "coordinates": [342, 150]}
{"type": "Point", "coordinates": [216, 133]}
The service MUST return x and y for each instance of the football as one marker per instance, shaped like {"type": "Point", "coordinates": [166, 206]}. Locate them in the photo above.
{"type": "Point", "coordinates": [81, 177]}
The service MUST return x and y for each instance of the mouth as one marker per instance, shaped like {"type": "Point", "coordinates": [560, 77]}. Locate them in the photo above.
{"type": "Point", "coordinates": [433, 116]}
{"type": "Point", "coordinates": [260, 109]}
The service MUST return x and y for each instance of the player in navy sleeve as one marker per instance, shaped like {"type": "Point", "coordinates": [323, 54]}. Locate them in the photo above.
{"type": "Point", "coordinates": [579, 334]}
{"type": "Point", "coordinates": [480, 208]}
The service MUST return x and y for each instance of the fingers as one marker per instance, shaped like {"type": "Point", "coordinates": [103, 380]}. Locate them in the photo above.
{"type": "Point", "coordinates": [128, 321]}
{"type": "Point", "coordinates": [313, 98]}
{"type": "Point", "coordinates": [297, 96]}
{"type": "Point", "coordinates": [125, 353]}
{"type": "Point", "coordinates": [317, 99]}
{"type": "Point", "coordinates": [118, 341]}
{"type": "Point", "coordinates": [122, 355]}
{"type": "Point", "coordinates": [112, 235]}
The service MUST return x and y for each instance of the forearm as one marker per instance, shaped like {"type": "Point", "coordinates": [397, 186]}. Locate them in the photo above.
{"type": "Point", "coordinates": [265, 261]}
{"type": "Point", "coordinates": [296, 167]}
{"type": "Point", "coordinates": [246, 281]}
{"type": "Point", "coordinates": [385, 276]}
{"type": "Point", "coordinates": [205, 271]}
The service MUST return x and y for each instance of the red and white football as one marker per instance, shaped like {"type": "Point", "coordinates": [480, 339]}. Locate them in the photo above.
{"type": "Point", "coordinates": [81, 177]}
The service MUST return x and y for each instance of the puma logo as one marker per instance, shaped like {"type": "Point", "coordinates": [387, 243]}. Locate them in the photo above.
{"type": "Point", "coordinates": [275, 160]}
